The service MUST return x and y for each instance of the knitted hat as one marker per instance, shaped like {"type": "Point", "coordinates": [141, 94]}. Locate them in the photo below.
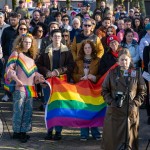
{"type": "Point", "coordinates": [112, 38]}
{"type": "Point", "coordinates": [147, 26]}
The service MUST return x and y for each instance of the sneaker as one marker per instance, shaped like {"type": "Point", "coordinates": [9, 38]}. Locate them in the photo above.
{"type": "Point", "coordinates": [49, 136]}
{"type": "Point", "coordinates": [57, 136]}
{"type": "Point", "coordinates": [5, 98]}
{"type": "Point", "coordinates": [98, 138]}
{"type": "Point", "coordinates": [83, 139]}
{"type": "Point", "coordinates": [23, 137]}
{"type": "Point", "coordinates": [16, 135]}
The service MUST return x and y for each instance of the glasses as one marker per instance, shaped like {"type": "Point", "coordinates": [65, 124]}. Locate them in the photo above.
{"type": "Point", "coordinates": [23, 29]}
{"type": "Point", "coordinates": [65, 35]}
{"type": "Point", "coordinates": [26, 42]}
{"type": "Point", "coordinates": [40, 31]}
{"type": "Point", "coordinates": [87, 25]}
{"type": "Point", "coordinates": [65, 19]}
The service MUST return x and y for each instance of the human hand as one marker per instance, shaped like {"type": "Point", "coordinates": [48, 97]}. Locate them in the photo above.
{"type": "Point", "coordinates": [54, 74]}
{"type": "Point", "coordinates": [84, 78]}
{"type": "Point", "coordinates": [91, 77]}
{"type": "Point", "coordinates": [49, 74]}
{"type": "Point", "coordinates": [39, 79]}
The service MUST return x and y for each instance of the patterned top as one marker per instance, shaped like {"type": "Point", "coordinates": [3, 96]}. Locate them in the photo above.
{"type": "Point", "coordinates": [22, 66]}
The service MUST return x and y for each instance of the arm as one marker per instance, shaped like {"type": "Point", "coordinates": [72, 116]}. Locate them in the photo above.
{"type": "Point", "coordinates": [136, 58]}
{"type": "Point", "coordinates": [74, 48]}
{"type": "Point", "coordinates": [106, 90]}
{"type": "Point", "coordinates": [99, 48]}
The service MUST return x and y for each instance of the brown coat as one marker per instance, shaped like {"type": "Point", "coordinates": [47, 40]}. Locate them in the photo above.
{"type": "Point", "coordinates": [79, 69]}
{"type": "Point", "coordinates": [115, 119]}
{"type": "Point", "coordinates": [44, 62]}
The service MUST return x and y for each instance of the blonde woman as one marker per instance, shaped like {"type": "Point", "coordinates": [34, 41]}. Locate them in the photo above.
{"type": "Point", "coordinates": [22, 69]}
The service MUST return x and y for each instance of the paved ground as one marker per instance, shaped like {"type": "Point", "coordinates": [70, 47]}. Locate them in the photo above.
{"type": "Point", "coordinates": [70, 139]}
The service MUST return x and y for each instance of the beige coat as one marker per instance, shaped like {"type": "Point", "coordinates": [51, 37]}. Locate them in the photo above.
{"type": "Point", "coordinates": [115, 120]}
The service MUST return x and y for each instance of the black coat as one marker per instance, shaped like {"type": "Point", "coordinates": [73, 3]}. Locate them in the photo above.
{"type": "Point", "coordinates": [8, 36]}
{"type": "Point", "coordinates": [107, 61]}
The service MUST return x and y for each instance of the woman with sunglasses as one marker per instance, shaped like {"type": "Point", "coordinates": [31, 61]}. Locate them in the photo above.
{"type": "Point", "coordinates": [22, 29]}
{"type": "Point", "coordinates": [22, 69]}
{"type": "Point", "coordinates": [66, 37]}
{"type": "Point", "coordinates": [38, 35]}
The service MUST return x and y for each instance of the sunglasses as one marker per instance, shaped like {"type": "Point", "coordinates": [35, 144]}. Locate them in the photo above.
{"type": "Point", "coordinates": [87, 25]}
{"type": "Point", "coordinates": [40, 31]}
{"type": "Point", "coordinates": [65, 19]}
{"type": "Point", "coordinates": [23, 29]}
{"type": "Point", "coordinates": [65, 35]}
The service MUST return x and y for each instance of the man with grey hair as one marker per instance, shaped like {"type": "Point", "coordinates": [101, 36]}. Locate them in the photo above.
{"type": "Point", "coordinates": [76, 29]}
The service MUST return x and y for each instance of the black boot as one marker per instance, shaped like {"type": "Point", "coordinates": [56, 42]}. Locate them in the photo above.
{"type": "Point", "coordinates": [57, 136]}
{"type": "Point", "coordinates": [49, 136]}
{"type": "Point", "coordinates": [16, 135]}
{"type": "Point", "coordinates": [23, 137]}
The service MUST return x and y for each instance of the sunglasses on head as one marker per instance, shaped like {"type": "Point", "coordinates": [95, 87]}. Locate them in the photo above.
{"type": "Point", "coordinates": [87, 25]}
{"type": "Point", "coordinates": [23, 29]}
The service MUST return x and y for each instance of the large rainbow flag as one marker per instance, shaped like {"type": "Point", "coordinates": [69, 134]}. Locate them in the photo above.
{"type": "Point", "coordinates": [75, 105]}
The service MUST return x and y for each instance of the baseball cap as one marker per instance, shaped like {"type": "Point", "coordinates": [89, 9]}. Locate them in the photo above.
{"type": "Point", "coordinates": [112, 38]}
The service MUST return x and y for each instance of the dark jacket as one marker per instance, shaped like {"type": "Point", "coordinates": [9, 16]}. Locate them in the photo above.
{"type": "Point", "coordinates": [44, 62]}
{"type": "Point", "coordinates": [146, 58]}
{"type": "Point", "coordinates": [107, 61]}
{"type": "Point", "coordinates": [74, 33]}
{"type": "Point", "coordinates": [7, 39]}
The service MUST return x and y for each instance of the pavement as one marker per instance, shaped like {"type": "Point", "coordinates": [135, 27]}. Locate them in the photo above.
{"type": "Point", "coordinates": [71, 136]}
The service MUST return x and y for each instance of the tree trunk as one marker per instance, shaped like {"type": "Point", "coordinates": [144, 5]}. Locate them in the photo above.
{"type": "Point", "coordinates": [14, 4]}
{"type": "Point", "coordinates": [68, 4]}
{"type": "Point", "coordinates": [142, 7]}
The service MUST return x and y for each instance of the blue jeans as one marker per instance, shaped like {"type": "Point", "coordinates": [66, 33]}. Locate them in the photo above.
{"type": "Point", "coordinates": [94, 131]}
{"type": "Point", "coordinates": [22, 112]}
{"type": "Point", "coordinates": [46, 92]}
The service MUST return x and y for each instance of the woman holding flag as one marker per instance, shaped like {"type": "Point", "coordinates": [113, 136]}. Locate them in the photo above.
{"type": "Point", "coordinates": [86, 68]}
{"type": "Point", "coordinates": [21, 68]}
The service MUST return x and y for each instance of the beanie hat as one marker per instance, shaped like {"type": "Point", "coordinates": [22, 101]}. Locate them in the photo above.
{"type": "Point", "coordinates": [112, 38]}
{"type": "Point", "coordinates": [147, 27]}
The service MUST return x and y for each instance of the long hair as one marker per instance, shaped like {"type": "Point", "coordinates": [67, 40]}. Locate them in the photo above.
{"type": "Point", "coordinates": [18, 45]}
{"type": "Point", "coordinates": [21, 25]}
{"type": "Point", "coordinates": [125, 33]}
{"type": "Point", "coordinates": [81, 51]}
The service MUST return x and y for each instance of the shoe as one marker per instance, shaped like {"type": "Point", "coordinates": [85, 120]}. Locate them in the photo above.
{"type": "Point", "coordinates": [49, 136]}
{"type": "Point", "coordinates": [98, 138]}
{"type": "Point", "coordinates": [16, 135]}
{"type": "Point", "coordinates": [23, 137]}
{"type": "Point", "coordinates": [148, 121]}
{"type": "Point", "coordinates": [57, 136]}
{"type": "Point", "coordinates": [83, 139]}
{"type": "Point", "coordinates": [5, 98]}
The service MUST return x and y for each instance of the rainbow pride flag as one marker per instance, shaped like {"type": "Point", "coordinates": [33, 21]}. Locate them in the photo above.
{"type": "Point", "coordinates": [30, 91]}
{"type": "Point", "coordinates": [75, 105]}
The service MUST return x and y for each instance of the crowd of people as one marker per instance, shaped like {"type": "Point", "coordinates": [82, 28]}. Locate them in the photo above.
{"type": "Point", "coordinates": [84, 45]}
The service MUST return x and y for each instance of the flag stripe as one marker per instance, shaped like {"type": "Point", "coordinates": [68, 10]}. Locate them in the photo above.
{"type": "Point", "coordinates": [76, 96]}
{"type": "Point", "coordinates": [75, 122]}
{"type": "Point", "coordinates": [71, 104]}
{"type": "Point", "coordinates": [73, 113]}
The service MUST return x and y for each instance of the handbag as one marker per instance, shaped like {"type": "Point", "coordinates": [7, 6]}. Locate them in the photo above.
{"type": "Point", "coordinates": [9, 85]}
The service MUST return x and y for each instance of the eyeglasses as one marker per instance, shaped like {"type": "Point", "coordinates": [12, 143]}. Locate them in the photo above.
{"type": "Point", "coordinates": [26, 42]}
{"type": "Point", "coordinates": [23, 29]}
{"type": "Point", "coordinates": [87, 25]}
{"type": "Point", "coordinates": [65, 19]}
{"type": "Point", "coordinates": [40, 31]}
{"type": "Point", "coordinates": [65, 35]}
